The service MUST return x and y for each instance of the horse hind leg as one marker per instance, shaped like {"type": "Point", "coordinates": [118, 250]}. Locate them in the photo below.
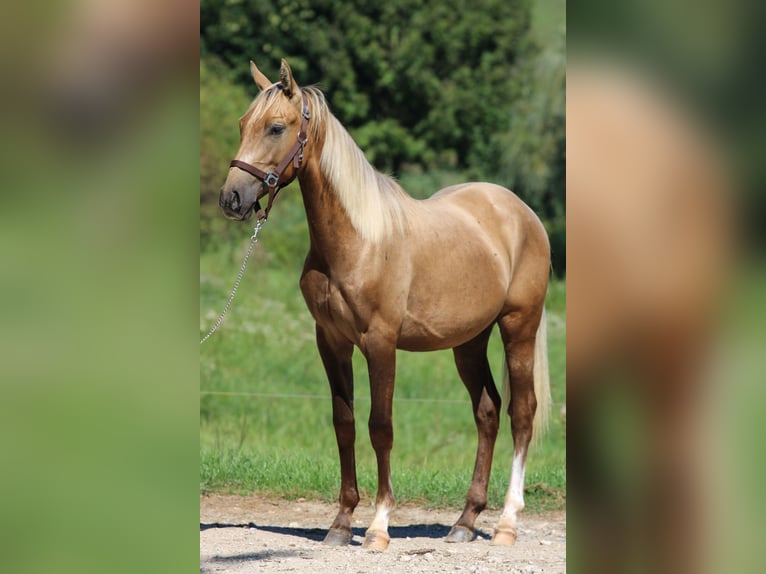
{"type": "Point", "coordinates": [473, 367]}
{"type": "Point", "coordinates": [525, 345]}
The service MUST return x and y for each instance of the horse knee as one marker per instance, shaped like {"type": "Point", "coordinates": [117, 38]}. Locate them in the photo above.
{"type": "Point", "coordinates": [342, 416]}
{"type": "Point", "coordinates": [381, 433]}
{"type": "Point", "coordinates": [343, 421]}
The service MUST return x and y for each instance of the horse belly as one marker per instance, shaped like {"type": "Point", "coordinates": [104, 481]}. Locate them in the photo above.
{"type": "Point", "coordinates": [454, 306]}
{"type": "Point", "coordinates": [425, 334]}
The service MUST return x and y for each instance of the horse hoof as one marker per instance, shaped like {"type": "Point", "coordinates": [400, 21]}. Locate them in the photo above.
{"type": "Point", "coordinates": [337, 537]}
{"type": "Point", "coordinates": [504, 538]}
{"type": "Point", "coordinates": [376, 540]}
{"type": "Point", "coordinates": [460, 534]}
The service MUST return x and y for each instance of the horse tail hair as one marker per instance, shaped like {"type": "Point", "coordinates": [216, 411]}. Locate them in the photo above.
{"type": "Point", "coordinates": [541, 382]}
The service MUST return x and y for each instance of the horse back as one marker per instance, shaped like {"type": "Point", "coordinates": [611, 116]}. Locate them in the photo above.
{"type": "Point", "coordinates": [499, 214]}
{"type": "Point", "coordinates": [478, 251]}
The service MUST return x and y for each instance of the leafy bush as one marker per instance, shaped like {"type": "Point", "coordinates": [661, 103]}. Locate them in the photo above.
{"type": "Point", "coordinates": [411, 78]}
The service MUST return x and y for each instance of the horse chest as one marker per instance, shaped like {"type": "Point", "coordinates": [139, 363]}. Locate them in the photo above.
{"type": "Point", "coordinates": [327, 304]}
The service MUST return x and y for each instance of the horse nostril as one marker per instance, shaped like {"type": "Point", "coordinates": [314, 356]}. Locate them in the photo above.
{"type": "Point", "coordinates": [235, 201]}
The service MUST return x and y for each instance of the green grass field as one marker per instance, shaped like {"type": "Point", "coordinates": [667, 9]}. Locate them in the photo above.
{"type": "Point", "coordinates": [273, 432]}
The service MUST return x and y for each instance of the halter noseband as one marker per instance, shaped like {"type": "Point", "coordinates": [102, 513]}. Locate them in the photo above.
{"type": "Point", "coordinates": [273, 179]}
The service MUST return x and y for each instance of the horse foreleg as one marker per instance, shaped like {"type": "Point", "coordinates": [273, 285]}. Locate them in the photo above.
{"type": "Point", "coordinates": [381, 362]}
{"type": "Point", "coordinates": [520, 352]}
{"type": "Point", "coordinates": [336, 357]}
{"type": "Point", "coordinates": [473, 367]}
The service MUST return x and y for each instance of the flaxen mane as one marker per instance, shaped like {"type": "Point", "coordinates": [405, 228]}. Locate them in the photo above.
{"type": "Point", "coordinates": [375, 203]}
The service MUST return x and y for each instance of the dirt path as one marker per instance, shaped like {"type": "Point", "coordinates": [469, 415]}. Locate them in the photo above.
{"type": "Point", "coordinates": [247, 534]}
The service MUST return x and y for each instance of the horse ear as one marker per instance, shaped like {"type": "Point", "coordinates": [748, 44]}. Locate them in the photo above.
{"type": "Point", "coordinates": [289, 87]}
{"type": "Point", "coordinates": [260, 80]}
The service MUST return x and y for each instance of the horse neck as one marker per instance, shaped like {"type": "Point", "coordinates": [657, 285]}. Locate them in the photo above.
{"type": "Point", "coordinates": [349, 205]}
{"type": "Point", "coordinates": [331, 232]}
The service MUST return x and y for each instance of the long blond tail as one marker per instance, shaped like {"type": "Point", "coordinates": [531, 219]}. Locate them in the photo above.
{"type": "Point", "coordinates": [541, 378]}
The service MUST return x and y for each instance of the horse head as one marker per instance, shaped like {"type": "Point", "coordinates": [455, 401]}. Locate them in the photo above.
{"type": "Point", "coordinates": [272, 136]}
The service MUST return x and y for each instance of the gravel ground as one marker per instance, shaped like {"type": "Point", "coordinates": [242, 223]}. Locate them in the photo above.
{"type": "Point", "coordinates": [246, 534]}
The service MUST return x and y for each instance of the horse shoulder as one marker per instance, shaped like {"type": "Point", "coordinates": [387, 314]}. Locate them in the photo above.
{"type": "Point", "coordinates": [315, 288]}
{"type": "Point", "coordinates": [327, 304]}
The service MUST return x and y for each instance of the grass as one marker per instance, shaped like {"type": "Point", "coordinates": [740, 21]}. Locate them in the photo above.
{"type": "Point", "coordinates": [277, 437]}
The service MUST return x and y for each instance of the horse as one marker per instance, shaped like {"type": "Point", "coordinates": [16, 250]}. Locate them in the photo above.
{"type": "Point", "coordinates": [385, 272]}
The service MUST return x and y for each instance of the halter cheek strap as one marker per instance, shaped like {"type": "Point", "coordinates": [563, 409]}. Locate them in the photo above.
{"type": "Point", "coordinates": [273, 179]}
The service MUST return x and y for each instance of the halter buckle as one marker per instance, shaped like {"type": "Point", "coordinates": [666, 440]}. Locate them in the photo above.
{"type": "Point", "coordinates": [272, 179]}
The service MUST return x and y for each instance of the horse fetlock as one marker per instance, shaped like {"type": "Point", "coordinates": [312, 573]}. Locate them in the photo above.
{"type": "Point", "coordinates": [349, 499]}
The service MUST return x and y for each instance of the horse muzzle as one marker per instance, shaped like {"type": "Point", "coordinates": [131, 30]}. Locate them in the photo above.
{"type": "Point", "coordinates": [237, 204]}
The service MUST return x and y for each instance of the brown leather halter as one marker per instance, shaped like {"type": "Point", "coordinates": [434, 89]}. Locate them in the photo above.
{"type": "Point", "coordinates": [273, 179]}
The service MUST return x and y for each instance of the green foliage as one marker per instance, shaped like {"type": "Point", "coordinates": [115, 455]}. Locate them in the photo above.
{"type": "Point", "coordinates": [530, 157]}
{"type": "Point", "coordinates": [409, 78]}
{"type": "Point", "coordinates": [221, 103]}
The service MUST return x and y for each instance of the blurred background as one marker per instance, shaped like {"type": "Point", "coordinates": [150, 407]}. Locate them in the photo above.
{"type": "Point", "coordinates": [665, 284]}
{"type": "Point", "coordinates": [99, 132]}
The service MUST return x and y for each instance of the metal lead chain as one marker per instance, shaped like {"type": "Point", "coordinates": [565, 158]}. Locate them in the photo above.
{"type": "Point", "coordinates": [253, 241]}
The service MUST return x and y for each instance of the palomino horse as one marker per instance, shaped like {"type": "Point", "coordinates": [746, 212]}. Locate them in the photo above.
{"type": "Point", "coordinates": [387, 272]}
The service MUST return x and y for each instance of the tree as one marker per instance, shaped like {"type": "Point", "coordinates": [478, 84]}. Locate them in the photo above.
{"type": "Point", "coordinates": [529, 156]}
{"type": "Point", "coordinates": [415, 82]}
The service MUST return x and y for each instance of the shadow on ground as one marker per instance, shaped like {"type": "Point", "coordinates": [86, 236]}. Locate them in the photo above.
{"type": "Point", "coordinates": [432, 531]}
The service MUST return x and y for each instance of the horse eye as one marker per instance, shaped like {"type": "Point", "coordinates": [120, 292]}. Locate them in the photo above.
{"type": "Point", "coordinates": [275, 130]}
